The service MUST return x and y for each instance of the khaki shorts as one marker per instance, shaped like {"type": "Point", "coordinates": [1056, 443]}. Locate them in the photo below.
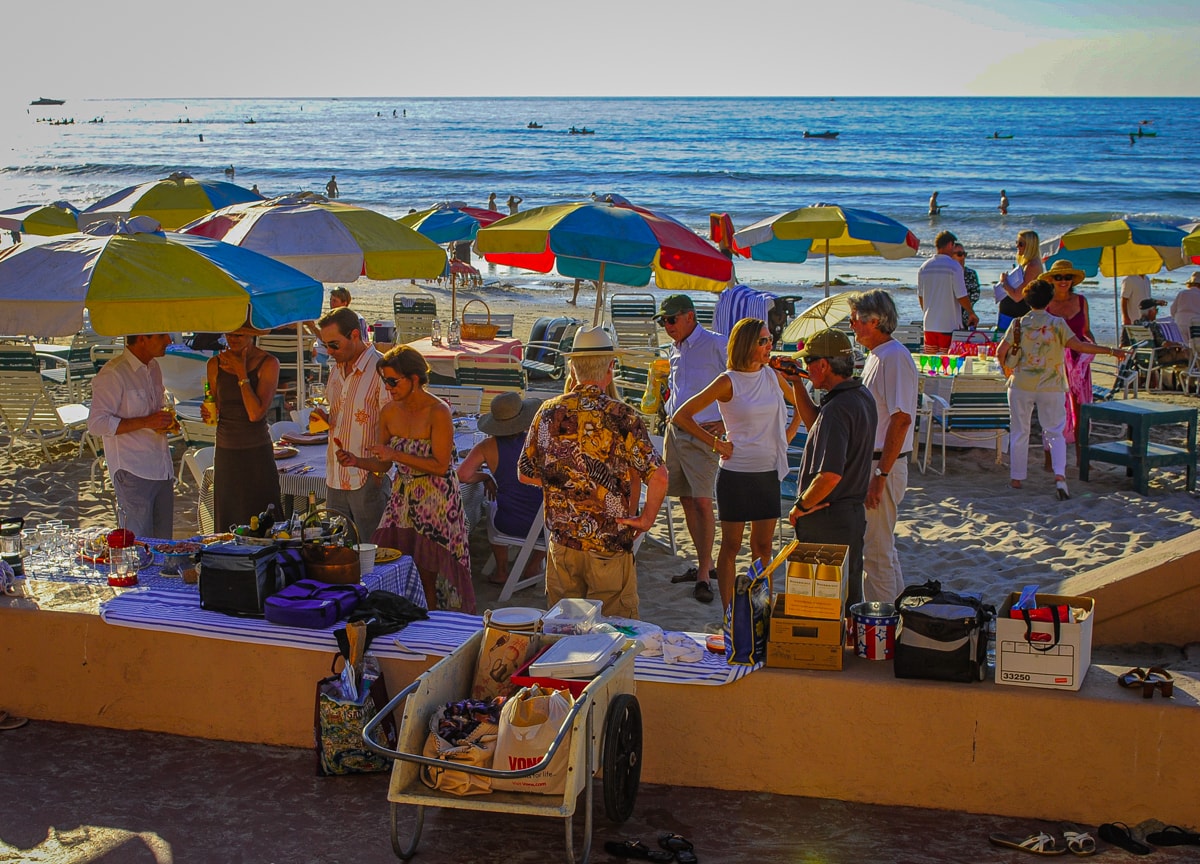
{"type": "Point", "coordinates": [586, 575]}
{"type": "Point", "coordinates": [691, 465]}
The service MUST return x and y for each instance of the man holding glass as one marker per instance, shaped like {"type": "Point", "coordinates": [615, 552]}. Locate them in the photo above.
{"type": "Point", "coordinates": [128, 412]}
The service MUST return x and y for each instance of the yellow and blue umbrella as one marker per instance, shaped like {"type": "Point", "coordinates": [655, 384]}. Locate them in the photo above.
{"type": "Point", "coordinates": [827, 229]}
{"type": "Point", "coordinates": [134, 278]}
{"type": "Point", "coordinates": [1191, 244]}
{"type": "Point", "coordinates": [1125, 247]}
{"type": "Point", "coordinates": [45, 220]}
{"type": "Point", "coordinates": [172, 202]}
{"type": "Point", "coordinates": [606, 242]}
{"type": "Point", "coordinates": [328, 240]}
{"type": "Point", "coordinates": [445, 224]}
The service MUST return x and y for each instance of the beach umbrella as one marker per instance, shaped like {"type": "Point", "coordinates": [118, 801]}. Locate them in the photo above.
{"type": "Point", "coordinates": [1191, 243]}
{"type": "Point", "coordinates": [822, 315]}
{"type": "Point", "coordinates": [45, 220]}
{"type": "Point", "coordinates": [606, 242]}
{"type": "Point", "coordinates": [1127, 248]}
{"type": "Point", "coordinates": [827, 229]}
{"type": "Point", "coordinates": [172, 202]}
{"type": "Point", "coordinates": [450, 223]}
{"type": "Point", "coordinates": [132, 277]}
{"type": "Point", "coordinates": [328, 240]}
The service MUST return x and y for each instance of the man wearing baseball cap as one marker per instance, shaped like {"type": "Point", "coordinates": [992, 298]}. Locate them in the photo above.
{"type": "Point", "coordinates": [697, 357]}
{"type": "Point", "coordinates": [835, 471]}
{"type": "Point", "coordinates": [1167, 352]}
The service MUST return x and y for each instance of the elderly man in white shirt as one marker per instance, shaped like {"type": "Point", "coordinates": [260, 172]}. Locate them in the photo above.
{"type": "Point", "coordinates": [128, 412]}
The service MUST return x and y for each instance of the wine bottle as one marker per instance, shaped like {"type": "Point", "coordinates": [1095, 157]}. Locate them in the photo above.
{"type": "Point", "coordinates": [312, 518]}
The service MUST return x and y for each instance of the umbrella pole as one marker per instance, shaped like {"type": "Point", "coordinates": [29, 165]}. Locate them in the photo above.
{"type": "Point", "coordinates": [599, 297]}
{"type": "Point", "coordinates": [453, 296]}
{"type": "Point", "coordinates": [827, 267]}
{"type": "Point", "coordinates": [299, 365]}
{"type": "Point", "coordinates": [1117, 298]}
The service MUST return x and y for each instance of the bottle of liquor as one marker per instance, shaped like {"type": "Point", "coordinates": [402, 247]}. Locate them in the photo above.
{"type": "Point", "coordinates": [787, 366]}
{"type": "Point", "coordinates": [312, 518]}
{"type": "Point", "coordinates": [210, 415]}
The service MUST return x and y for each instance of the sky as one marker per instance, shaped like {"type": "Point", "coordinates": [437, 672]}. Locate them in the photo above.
{"type": "Point", "coordinates": [269, 48]}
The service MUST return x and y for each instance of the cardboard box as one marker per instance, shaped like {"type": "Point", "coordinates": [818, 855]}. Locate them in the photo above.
{"type": "Point", "coordinates": [804, 643]}
{"type": "Point", "coordinates": [1063, 665]}
{"type": "Point", "coordinates": [815, 580]}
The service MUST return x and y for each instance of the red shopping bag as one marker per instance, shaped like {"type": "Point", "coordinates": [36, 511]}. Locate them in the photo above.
{"type": "Point", "coordinates": [977, 344]}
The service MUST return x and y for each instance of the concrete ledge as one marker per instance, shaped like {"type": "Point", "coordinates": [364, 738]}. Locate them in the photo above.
{"type": "Point", "coordinates": [859, 735]}
{"type": "Point", "coordinates": [1153, 596]}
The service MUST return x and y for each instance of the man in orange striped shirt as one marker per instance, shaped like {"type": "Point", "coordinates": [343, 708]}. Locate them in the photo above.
{"type": "Point", "coordinates": [356, 395]}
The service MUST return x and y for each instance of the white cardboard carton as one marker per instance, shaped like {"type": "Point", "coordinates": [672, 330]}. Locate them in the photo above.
{"type": "Point", "coordinates": [1063, 665]}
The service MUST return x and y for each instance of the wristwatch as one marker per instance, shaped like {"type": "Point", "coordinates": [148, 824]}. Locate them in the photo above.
{"type": "Point", "coordinates": [879, 473]}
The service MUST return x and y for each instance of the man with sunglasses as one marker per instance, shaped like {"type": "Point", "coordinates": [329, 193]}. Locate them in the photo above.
{"type": "Point", "coordinates": [697, 356]}
{"type": "Point", "coordinates": [835, 471]}
{"type": "Point", "coordinates": [356, 396]}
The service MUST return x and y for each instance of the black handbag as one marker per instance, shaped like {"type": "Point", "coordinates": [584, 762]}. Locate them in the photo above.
{"type": "Point", "coordinates": [237, 579]}
{"type": "Point", "coordinates": [942, 635]}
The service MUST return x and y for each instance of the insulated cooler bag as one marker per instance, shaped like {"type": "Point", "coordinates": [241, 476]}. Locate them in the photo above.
{"type": "Point", "coordinates": [237, 580]}
{"type": "Point", "coordinates": [309, 603]}
{"type": "Point", "coordinates": [942, 635]}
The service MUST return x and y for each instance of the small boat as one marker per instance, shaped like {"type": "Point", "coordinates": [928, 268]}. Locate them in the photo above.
{"type": "Point", "coordinates": [44, 101]}
{"type": "Point", "coordinates": [581, 131]}
{"type": "Point", "coordinates": [533, 125]}
{"type": "Point", "coordinates": [996, 136]}
{"type": "Point", "coordinates": [828, 134]}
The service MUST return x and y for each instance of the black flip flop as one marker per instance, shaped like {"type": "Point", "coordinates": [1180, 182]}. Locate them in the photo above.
{"type": "Point", "coordinates": [1119, 835]}
{"type": "Point", "coordinates": [680, 846]}
{"type": "Point", "coordinates": [1173, 835]}
{"type": "Point", "coordinates": [636, 849]}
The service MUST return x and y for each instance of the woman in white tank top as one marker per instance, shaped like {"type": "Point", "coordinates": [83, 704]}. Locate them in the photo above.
{"type": "Point", "coordinates": [751, 398]}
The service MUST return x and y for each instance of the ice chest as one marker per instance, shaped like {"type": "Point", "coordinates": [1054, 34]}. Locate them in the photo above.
{"type": "Point", "coordinates": [1029, 655]}
{"type": "Point", "coordinates": [580, 656]}
{"type": "Point", "coordinates": [815, 580]}
{"type": "Point", "coordinates": [804, 643]}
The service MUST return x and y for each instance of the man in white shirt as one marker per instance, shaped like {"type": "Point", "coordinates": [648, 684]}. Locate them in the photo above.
{"type": "Point", "coordinates": [356, 396]}
{"type": "Point", "coordinates": [941, 291]}
{"type": "Point", "coordinates": [1185, 308]}
{"type": "Point", "coordinates": [891, 377]}
{"type": "Point", "coordinates": [128, 412]}
{"type": "Point", "coordinates": [1134, 289]}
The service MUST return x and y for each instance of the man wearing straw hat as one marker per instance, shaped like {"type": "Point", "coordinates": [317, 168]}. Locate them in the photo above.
{"type": "Point", "coordinates": [128, 413]}
{"type": "Point", "coordinates": [356, 396]}
{"type": "Point", "coordinates": [591, 454]}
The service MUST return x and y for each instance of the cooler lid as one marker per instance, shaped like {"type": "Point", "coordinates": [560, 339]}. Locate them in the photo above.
{"type": "Point", "coordinates": [578, 656]}
{"type": "Point", "coordinates": [515, 617]}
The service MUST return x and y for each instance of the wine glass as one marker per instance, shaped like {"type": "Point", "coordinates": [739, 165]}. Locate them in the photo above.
{"type": "Point", "coordinates": [946, 358]}
{"type": "Point", "coordinates": [958, 364]}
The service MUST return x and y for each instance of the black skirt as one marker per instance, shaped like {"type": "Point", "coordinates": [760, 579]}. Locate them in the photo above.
{"type": "Point", "coordinates": [747, 496]}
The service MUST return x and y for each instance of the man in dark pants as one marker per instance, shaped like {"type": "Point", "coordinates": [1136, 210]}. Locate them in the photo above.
{"type": "Point", "coordinates": [836, 469]}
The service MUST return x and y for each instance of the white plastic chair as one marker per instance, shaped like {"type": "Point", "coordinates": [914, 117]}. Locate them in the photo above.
{"type": "Point", "coordinates": [283, 426]}
{"type": "Point", "coordinates": [536, 539]}
{"type": "Point", "coordinates": [197, 462]}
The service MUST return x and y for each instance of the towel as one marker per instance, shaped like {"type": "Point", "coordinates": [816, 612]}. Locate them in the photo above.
{"type": "Point", "coordinates": [681, 648]}
{"type": "Point", "coordinates": [740, 302]}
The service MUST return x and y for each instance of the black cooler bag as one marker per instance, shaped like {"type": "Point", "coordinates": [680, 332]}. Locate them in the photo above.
{"type": "Point", "coordinates": [942, 635]}
{"type": "Point", "coordinates": [237, 580]}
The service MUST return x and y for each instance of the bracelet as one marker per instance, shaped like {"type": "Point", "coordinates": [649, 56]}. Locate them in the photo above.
{"type": "Point", "coordinates": [800, 505]}
{"type": "Point", "coordinates": [714, 444]}
{"type": "Point", "coordinates": [242, 382]}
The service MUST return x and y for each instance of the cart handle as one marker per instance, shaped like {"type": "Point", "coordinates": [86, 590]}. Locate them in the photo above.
{"type": "Point", "coordinates": [567, 724]}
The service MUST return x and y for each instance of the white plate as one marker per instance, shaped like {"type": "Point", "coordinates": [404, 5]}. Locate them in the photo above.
{"type": "Point", "coordinates": [515, 617]}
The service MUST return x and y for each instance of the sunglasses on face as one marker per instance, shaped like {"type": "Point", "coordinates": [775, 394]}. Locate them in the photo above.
{"type": "Point", "coordinates": [390, 382]}
{"type": "Point", "coordinates": [764, 340]}
{"type": "Point", "coordinates": [960, 255]}
{"type": "Point", "coordinates": [1063, 277]}
{"type": "Point", "coordinates": [667, 319]}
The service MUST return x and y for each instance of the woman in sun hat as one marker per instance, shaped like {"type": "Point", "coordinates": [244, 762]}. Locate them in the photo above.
{"type": "Point", "coordinates": [514, 504]}
{"type": "Point", "coordinates": [1185, 308]}
{"type": "Point", "coordinates": [243, 379]}
{"type": "Point", "coordinates": [1072, 308]}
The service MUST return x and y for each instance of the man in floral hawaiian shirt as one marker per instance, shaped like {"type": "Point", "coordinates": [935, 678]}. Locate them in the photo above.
{"type": "Point", "coordinates": [591, 454]}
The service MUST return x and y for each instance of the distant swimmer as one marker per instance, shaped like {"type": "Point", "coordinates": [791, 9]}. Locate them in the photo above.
{"type": "Point", "coordinates": [935, 209]}
{"type": "Point", "coordinates": [201, 137]}
{"type": "Point", "coordinates": [1003, 203]}
{"type": "Point", "coordinates": [229, 172]}
{"type": "Point", "coordinates": [254, 189]}
{"type": "Point", "coordinates": [393, 112]}
{"type": "Point", "coordinates": [1132, 137]}
{"type": "Point", "coordinates": [331, 188]}
{"type": "Point", "coordinates": [514, 204]}
{"type": "Point", "coordinates": [492, 203]}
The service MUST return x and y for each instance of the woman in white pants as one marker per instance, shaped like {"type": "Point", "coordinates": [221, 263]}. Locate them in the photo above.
{"type": "Point", "coordinates": [1032, 354]}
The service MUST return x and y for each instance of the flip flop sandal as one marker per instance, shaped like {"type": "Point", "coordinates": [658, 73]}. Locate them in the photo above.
{"type": "Point", "coordinates": [1173, 835]}
{"type": "Point", "coordinates": [1119, 835]}
{"type": "Point", "coordinates": [636, 849]}
{"type": "Point", "coordinates": [10, 721]}
{"type": "Point", "coordinates": [690, 575]}
{"type": "Point", "coordinates": [1079, 842]}
{"type": "Point", "coordinates": [680, 846]}
{"type": "Point", "coordinates": [1160, 678]}
{"type": "Point", "coordinates": [1133, 678]}
{"type": "Point", "coordinates": [1035, 844]}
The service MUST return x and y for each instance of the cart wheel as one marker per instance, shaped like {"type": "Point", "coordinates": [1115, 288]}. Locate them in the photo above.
{"type": "Point", "coordinates": [622, 756]}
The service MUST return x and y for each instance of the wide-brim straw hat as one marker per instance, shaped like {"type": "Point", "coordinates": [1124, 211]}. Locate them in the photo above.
{"type": "Point", "coordinates": [1063, 266]}
{"type": "Point", "coordinates": [593, 342]}
{"type": "Point", "coordinates": [1194, 282]}
{"type": "Point", "coordinates": [509, 414]}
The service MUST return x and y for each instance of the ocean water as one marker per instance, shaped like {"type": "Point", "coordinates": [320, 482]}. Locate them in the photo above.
{"type": "Point", "coordinates": [1069, 161]}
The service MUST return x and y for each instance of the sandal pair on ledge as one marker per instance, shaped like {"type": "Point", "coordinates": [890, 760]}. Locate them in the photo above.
{"type": "Point", "coordinates": [1157, 678]}
{"type": "Point", "coordinates": [674, 848]}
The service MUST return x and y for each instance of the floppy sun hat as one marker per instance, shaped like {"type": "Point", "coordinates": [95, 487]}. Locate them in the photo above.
{"type": "Point", "coordinates": [827, 343]}
{"type": "Point", "coordinates": [509, 415]}
{"type": "Point", "coordinates": [592, 342]}
{"type": "Point", "coordinates": [1063, 266]}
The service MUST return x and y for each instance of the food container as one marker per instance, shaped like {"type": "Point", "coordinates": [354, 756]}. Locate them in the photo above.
{"type": "Point", "coordinates": [571, 616]}
{"type": "Point", "coordinates": [515, 619]}
{"type": "Point", "coordinates": [875, 630]}
{"type": "Point", "coordinates": [578, 656]}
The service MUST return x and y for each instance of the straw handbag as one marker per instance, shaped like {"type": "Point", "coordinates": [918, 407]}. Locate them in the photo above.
{"type": "Point", "coordinates": [479, 331]}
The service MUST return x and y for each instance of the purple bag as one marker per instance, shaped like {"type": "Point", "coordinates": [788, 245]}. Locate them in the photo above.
{"type": "Point", "coordinates": [313, 604]}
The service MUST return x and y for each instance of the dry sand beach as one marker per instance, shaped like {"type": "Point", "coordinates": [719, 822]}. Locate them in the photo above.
{"type": "Point", "coordinates": [966, 528]}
